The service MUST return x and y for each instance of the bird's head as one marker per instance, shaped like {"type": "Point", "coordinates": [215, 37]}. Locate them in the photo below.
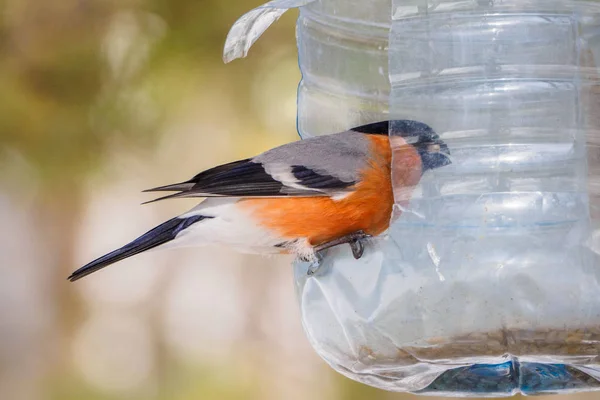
{"type": "Point", "coordinates": [433, 151]}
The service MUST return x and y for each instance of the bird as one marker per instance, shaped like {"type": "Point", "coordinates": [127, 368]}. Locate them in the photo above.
{"type": "Point", "coordinates": [300, 198]}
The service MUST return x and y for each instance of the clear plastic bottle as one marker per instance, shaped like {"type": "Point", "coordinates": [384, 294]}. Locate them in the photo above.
{"type": "Point", "coordinates": [487, 283]}
{"type": "Point", "coordinates": [343, 53]}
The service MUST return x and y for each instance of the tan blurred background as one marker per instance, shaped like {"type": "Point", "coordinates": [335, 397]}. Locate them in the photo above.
{"type": "Point", "coordinates": [100, 100]}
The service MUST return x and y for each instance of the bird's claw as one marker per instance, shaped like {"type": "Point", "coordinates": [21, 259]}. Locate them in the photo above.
{"type": "Point", "coordinates": [358, 248]}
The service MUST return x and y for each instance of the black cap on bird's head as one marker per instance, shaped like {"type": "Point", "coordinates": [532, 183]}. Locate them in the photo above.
{"type": "Point", "coordinates": [433, 151]}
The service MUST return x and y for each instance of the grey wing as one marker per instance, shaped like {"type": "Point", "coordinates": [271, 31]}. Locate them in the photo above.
{"type": "Point", "coordinates": [320, 166]}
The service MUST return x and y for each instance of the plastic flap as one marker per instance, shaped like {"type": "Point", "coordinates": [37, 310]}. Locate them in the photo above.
{"type": "Point", "coordinates": [246, 30]}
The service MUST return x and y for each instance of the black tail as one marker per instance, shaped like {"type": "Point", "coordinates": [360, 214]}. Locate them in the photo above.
{"type": "Point", "coordinates": [161, 234]}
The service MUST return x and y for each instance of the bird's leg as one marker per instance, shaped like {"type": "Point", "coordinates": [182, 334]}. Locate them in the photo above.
{"type": "Point", "coordinates": [354, 239]}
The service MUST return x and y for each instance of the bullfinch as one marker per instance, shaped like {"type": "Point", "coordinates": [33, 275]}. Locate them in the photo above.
{"type": "Point", "coordinates": [299, 198]}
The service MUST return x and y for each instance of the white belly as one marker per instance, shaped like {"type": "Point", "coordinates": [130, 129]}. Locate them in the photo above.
{"type": "Point", "coordinates": [229, 226]}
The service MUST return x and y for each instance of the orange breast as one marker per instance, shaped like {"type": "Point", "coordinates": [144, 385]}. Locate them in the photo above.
{"type": "Point", "coordinates": [322, 219]}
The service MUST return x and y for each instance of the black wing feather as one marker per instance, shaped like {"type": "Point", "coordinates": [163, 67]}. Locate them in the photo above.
{"type": "Point", "coordinates": [246, 178]}
{"type": "Point", "coordinates": [238, 178]}
{"type": "Point", "coordinates": [314, 180]}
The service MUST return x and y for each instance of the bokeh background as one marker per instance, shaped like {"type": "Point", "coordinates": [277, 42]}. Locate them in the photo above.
{"type": "Point", "coordinates": [100, 100]}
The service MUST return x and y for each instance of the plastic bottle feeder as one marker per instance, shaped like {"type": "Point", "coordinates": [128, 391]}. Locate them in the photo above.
{"type": "Point", "coordinates": [487, 283]}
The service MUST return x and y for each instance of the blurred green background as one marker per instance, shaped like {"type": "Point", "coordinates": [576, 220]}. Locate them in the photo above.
{"type": "Point", "coordinates": [100, 100]}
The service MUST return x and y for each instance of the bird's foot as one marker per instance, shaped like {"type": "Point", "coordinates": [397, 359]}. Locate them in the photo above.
{"type": "Point", "coordinates": [355, 240]}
